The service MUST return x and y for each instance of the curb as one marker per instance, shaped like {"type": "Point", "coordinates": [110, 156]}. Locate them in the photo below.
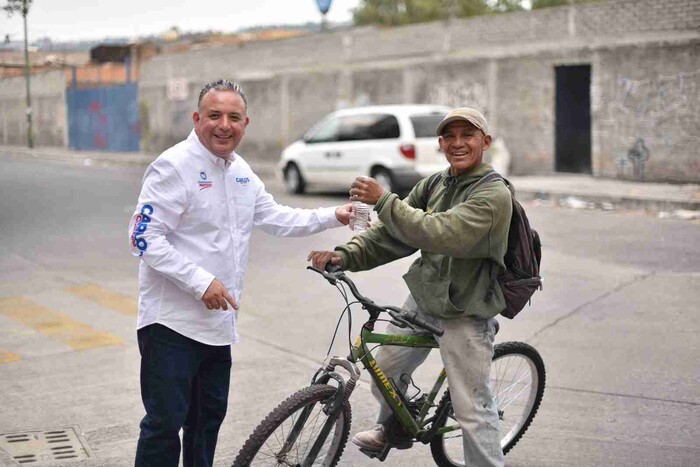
{"type": "Point", "coordinates": [608, 202]}
{"type": "Point", "coordinates": [573, 191]}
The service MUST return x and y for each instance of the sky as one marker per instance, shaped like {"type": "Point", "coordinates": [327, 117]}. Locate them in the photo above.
{"type": "Point", "coordinates": [74, 20]}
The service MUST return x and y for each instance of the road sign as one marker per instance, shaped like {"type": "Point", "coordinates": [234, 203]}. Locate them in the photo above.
{"type": "Point", "coordinates": [324, 5]}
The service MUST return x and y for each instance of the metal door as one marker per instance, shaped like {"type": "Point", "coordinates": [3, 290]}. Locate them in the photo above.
{"type": "Point", "coordinates": [105, 118]}
{"type": "Point", "coordinates": [573, 119]}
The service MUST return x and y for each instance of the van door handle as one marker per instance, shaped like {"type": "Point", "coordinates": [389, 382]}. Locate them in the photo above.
{"type": "Point", "coordinates": [330, 154]}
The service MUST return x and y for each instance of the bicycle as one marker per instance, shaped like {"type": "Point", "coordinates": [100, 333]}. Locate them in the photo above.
{"type": "Point", "coordinates": [312, 426]}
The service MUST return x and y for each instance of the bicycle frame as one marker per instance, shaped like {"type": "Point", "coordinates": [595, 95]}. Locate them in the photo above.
{"type": "Point", "coordinates": [413, 420]}
{"type": "Point", "coordinates": [361, 352]}
{"type": "Point", "coordinates": [416, 427]}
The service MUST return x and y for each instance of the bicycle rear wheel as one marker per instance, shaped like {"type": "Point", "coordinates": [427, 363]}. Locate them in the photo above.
{"type": "Point", "coordinates": [286, 436]}
{"type": "Point", "coordinates": [517, 383]}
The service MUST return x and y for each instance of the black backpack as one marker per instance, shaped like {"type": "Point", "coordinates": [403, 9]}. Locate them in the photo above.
{"type": "Point", "coordinates": [523, 256]}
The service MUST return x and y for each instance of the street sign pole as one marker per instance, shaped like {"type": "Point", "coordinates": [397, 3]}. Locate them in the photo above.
{"type": "Point", "coordinates": [323, 7]}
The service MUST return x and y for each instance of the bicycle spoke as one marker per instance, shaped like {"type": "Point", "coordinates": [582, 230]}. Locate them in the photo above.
{"type": "Point", "coordinates": [284, 447]}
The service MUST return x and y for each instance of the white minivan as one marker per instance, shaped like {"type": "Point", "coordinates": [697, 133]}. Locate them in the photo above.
{"type": "Point", "coordinates": [395, 144]}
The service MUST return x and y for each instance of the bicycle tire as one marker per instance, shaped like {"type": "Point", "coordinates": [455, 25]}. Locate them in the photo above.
{"type": "Point", "coordinates": [517, 400]}
{"type": "Point", "coordinates": [263, 445]}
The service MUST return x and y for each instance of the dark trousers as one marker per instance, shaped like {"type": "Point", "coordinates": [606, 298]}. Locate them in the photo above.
{"type": "Point", "coordinates": [184, 385]}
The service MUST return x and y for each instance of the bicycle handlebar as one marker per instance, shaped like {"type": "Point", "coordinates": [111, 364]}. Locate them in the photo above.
{"type": "Point", "coordinates": [333, 274]}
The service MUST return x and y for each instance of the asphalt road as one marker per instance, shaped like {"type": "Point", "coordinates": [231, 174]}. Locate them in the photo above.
{"type": "Point", "coordinates": [616, 325]}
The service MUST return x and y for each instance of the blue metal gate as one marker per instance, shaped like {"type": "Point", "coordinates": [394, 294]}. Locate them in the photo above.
{"type": "Point", "coordinates": [104, 118]}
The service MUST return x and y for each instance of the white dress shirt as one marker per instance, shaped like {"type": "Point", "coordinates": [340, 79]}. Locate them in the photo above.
{"type": "Point", "coordinates": [192, 224]}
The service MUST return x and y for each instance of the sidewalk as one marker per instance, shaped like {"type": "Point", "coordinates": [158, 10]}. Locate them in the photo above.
{"type": "Point", "coordinates": [571, 190]}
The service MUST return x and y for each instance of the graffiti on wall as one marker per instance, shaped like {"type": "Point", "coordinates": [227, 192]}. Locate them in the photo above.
{"type": "Point", "coordinates": [458, 94]}
{"type": "Point", "coordinates": [104, 118]}
{"type": "Point", "coordinates": [640, 113]}
{"type": "Point", "coordinates": [637, 155]}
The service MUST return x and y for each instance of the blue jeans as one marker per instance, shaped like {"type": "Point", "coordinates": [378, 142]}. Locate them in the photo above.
{"type": "Point", "coordinates": [184, 385]}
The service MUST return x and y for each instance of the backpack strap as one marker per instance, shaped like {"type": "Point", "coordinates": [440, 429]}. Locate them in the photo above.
{"type": "Point", "coordinates": [433, 181]}
{"type": "Point", "coordinates": [493, 175]}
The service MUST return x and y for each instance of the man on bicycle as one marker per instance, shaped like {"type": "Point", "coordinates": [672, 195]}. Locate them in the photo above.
{"type": "Point", "coordinates": [462, 238]}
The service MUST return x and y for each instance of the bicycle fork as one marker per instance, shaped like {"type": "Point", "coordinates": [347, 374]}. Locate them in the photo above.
{"type": "Point", "coordinates": [332, 409]}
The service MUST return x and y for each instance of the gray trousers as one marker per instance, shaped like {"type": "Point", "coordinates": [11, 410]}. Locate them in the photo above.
{"type": "Point", "coordinates": [466, 349]}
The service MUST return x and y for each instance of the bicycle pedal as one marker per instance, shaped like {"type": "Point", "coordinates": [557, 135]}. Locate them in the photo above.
{"type": "Point", "coordinates": [404, 445]}
{"type": "Point", "coordinates": [380, 455]}
{"type": "Point", "coordinates": [370, 453]}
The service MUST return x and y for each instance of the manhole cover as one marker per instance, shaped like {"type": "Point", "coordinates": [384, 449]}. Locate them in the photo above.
{"type": "Point", "coordinates": [45, 447]}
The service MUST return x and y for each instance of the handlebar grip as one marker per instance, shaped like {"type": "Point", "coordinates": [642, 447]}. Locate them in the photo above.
{"type": "Point", "coordinates": [432, 328]}
{"type": "Point", "coordinates": [413, 317]}
{"type": "Point", "coordinates": [332, 268]}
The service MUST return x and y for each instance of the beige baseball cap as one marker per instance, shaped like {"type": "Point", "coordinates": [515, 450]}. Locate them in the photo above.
{"type": "Point", "coordinates": [466, 114]}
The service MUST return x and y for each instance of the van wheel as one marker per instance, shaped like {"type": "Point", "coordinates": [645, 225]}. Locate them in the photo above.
{"type": "Point", "coordinates": [293, 180]}
{"type": "Point", "coordinates": [383, 177]}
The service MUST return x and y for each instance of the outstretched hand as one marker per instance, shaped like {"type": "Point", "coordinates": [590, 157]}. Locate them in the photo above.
{"type": "Point", "coordinates": [344, 214]}
{"type": "Point", "coordinates": [319, 259]}
{"type": "Point", "coordinates": [366, 189]}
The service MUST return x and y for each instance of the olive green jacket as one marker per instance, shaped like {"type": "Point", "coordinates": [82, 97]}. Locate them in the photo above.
{"type": "Point", "coordinates": [462, 243]}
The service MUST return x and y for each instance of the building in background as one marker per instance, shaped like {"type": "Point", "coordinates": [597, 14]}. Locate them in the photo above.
{"type": "Point", "coordinates": [610, 88]}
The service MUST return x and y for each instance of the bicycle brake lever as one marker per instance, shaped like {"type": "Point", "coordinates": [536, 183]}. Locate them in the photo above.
{"type": "Point", "coordinates": [327, 276]}
{"type": "Point", "coordinates": [397, 320]}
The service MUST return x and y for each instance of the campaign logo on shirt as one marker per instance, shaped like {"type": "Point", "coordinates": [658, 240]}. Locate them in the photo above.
{"type": "Point", "coordinates": [140, 226]}
{"type": "Point", "coordinates": [243, 180]}
{"type": "Point", "coordinates": [204, 183]}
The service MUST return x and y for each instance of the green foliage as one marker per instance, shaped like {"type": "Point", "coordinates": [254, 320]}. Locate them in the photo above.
{"type": "Point", "coordinates": [398, 12]}
{"type": "Point", "coordinates": [506, 6]}
{"type": "Point", "coordinates": [17, 6]}
{"type": "Point", "coordinates": [537, 4]}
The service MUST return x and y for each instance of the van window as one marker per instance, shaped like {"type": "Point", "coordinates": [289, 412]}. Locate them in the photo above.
{"type": "Point", "coordinates": [368, 126]}
{"type": "Point", "coordinates": [326, 132]}
{"type": "Point", "coordinates": [424, 126]}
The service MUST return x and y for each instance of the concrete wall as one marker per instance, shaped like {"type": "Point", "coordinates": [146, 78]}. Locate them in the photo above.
{"type": "Point", "coordinates": [48, 92]}
{"type": "Point", "coordinates": [649, 94]}
{"type": "Point", "coordinates": [645, 72]}
{"type": "Point", "coordinates": [644, 85]}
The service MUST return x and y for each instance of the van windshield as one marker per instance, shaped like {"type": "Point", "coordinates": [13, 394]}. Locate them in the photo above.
{"type": "Point", "coordinates": [424, 126]}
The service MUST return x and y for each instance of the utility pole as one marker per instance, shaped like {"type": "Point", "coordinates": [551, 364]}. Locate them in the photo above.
{"type": "Point", "coordinates": [23, 7]}
{"type": "Point", "coordinates": [27, 77]}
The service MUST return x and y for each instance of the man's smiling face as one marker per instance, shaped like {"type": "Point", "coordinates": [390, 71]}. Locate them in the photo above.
{"type": "Point", "coordinates": [220, 122]}
{"type": "Point", "coordinates": [463, 145]}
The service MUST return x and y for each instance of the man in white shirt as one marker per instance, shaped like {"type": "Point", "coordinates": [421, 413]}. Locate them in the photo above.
{"type": "Point", "coordinates": [191, 228]}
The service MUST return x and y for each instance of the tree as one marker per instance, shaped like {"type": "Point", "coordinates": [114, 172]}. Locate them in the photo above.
{"type": "Point", "coordinates": [506, 6]}
{"type": "Point", "coordinates": [537, 4]}
{"type": "Point", "coordinates": [398, 12]}
{"type": "Point", "coordinates": [22, 7]}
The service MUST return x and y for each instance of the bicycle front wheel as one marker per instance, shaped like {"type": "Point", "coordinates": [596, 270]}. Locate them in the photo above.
{"type": "Point", "coordinates": [517, 383]}
{"type": "Point", "coordinates": [289, 433]}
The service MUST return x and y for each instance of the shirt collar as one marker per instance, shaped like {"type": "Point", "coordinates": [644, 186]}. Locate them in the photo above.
{"type": "Point", "coordinates": [194, 142]}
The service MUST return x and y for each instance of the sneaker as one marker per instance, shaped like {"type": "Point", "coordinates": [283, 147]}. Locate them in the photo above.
{"type": "Point", "coordinates": [373, 439]}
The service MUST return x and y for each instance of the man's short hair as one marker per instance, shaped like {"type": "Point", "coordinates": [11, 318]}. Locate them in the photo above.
{"type": "Point", "coordinates": [223, 85]}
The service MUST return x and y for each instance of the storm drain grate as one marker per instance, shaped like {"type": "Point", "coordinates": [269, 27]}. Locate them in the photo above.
{"type": "Point", "coordinates": [45, 447]}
